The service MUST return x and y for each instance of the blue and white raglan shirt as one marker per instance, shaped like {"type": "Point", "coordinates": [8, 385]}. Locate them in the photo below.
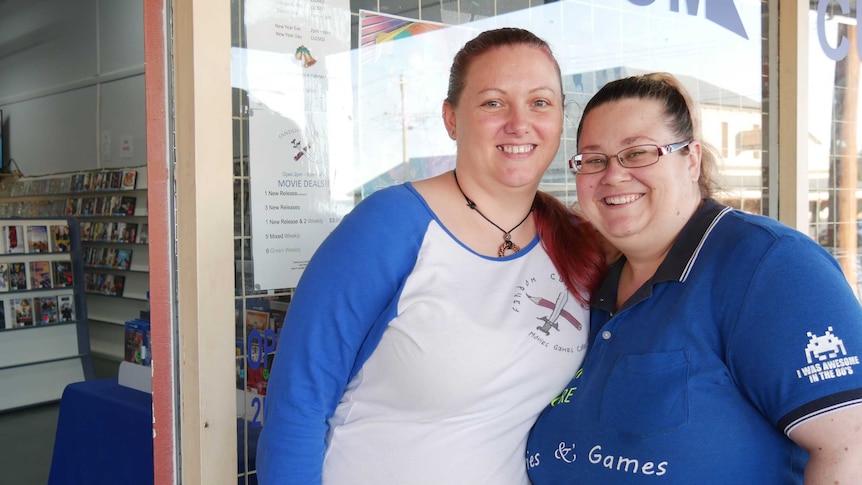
{"type": "Point", "coordinates": [408, 358]}
{"type": "Point", "coordinates": [747, 329]}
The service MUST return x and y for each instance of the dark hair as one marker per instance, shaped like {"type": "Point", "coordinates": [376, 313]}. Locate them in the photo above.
{"type": "Point", "coordinates": [680, 109]}
{"type": "Point", "coordinates": [484, 42]}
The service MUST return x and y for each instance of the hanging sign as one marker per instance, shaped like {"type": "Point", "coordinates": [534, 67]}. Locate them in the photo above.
{"type": "Point", "coordinates": [297, 72]}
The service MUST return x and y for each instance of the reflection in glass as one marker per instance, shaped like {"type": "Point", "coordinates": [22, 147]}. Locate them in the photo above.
{"type": "Point", "coordinates": [398, 84]}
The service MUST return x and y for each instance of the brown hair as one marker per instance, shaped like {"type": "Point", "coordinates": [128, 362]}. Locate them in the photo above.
{"type": "Point", "coordinates": [680, 109]}
{"type": "Point", "coordinates": [484, 42]}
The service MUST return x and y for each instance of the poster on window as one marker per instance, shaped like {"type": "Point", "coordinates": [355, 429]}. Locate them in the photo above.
{"type": "Point", "coordinates": [296, 71]}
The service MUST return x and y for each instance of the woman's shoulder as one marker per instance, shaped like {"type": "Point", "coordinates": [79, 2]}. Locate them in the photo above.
{"type": "Point", "coordinates": [390, 193]}
{"type": "Point", "coordinates": [753, 234]}
{"type": "Point", "coordinates": [390, 215]}
{"type": "Point", "coordinates": [400, 200]}
{"type": "Point", "coordinates": [752, 225]}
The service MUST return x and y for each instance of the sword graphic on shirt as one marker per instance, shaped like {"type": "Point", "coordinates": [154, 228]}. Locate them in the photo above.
{"type": "Point", "coordinates": [558, 311]}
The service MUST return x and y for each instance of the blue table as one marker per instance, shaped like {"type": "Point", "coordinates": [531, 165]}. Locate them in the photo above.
{"type": "Point", "coordinates": [104, 435]}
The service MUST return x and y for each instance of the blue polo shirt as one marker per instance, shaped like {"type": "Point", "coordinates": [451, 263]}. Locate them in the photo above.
{"type": "Point", "coordinates": [747, 329]}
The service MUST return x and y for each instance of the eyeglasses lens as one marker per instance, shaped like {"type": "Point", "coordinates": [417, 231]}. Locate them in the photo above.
{"type": "Point", "coordinates": [632, 157]}
{"type": "Point", "coordinates": [639, 156]}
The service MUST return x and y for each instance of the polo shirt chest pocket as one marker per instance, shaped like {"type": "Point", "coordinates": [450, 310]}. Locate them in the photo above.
{"type": "Point", "coordinates": [647, 394]}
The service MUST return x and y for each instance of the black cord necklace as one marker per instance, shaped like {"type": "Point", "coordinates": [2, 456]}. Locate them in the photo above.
{"type": "Point", "coordinates": [507, 245]}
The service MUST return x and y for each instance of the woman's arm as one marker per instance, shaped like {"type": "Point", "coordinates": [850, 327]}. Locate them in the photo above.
{"type": "Point", "coordinates": [339, 306]}
{"type": "Point", "coordinates": [834, 444]}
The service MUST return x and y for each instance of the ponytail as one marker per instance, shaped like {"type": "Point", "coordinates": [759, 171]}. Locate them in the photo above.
{"type": "Point", "coordinates": [573, 244]}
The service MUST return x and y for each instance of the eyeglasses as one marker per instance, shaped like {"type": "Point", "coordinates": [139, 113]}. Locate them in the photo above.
{"type": "Point", "coordinates": [631, 157]}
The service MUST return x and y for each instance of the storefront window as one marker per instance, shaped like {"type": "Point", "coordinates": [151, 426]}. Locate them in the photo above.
{"type": "Point", "coordinates": [351, 102]}
{"type": "Point", "coordinates": [835, 213]}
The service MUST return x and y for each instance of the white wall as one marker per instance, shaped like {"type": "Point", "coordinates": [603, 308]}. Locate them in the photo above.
{"type": "Point", "coordinates": [72, 71]}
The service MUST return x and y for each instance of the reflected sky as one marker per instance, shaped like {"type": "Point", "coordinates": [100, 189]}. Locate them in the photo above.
{"type": "Point", "coordinates": [393, 109]}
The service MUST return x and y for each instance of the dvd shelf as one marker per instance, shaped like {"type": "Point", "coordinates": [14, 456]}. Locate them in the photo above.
{"type": "Point", "coordinates": [110, 206]}
{"type": "Point", "coordinates": [44, 332]}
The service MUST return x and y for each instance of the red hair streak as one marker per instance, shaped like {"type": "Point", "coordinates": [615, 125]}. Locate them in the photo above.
{"type": "Point", "coordinates": [573, 244]}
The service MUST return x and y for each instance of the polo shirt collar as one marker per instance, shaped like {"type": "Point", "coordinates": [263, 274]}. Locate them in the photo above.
{"type": "Point", "coordinates": [675, 267]}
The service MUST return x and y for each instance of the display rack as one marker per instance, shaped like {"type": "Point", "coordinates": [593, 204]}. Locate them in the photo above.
{"type": "Point", "coordinates": [44, 337]}
{"type": "Point", "coordinates": [111, 208]}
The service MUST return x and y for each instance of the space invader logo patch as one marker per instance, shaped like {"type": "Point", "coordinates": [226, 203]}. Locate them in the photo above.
{"type": "Point", "coordinates": [827, 358]}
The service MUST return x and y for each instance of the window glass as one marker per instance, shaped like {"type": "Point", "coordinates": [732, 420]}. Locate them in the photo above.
{"type": "Point", "coordinates": [399, 83]}
{"type": "Point", "coordinates": [833, 153]}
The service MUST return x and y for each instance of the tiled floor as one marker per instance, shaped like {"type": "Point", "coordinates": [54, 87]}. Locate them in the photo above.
{"type": "Point", "coordinates": [27, 443]}
{"type": "Point", "coordinates": [27, 437]}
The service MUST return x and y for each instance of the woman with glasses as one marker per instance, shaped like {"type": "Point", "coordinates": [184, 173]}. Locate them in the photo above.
{"type": "Point", "coordinates": [724, 347]}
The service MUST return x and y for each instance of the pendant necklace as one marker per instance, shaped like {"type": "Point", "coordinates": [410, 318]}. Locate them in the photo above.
{"type": "Point", "coordinates": [507, 245]}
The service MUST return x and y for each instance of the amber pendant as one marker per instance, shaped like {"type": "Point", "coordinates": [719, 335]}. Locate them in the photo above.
{"type": "Point", "coordinates": [508, 245]}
